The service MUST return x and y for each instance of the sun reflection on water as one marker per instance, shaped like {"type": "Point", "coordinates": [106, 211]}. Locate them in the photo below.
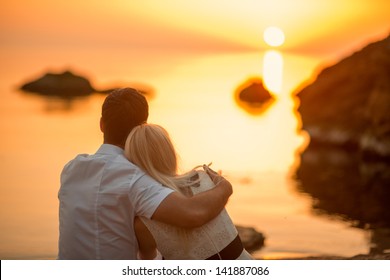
{"type": "Point", "coordinates": [273, 71]}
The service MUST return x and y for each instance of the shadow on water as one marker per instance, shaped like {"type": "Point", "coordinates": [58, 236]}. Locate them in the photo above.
{"type": "Point", "coordinates": [53, 104]}
{"type": "Point", "coordinates": [344, 185]}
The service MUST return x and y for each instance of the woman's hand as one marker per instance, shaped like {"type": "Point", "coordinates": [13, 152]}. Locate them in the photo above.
{"type": "Point", "coordinates": [216, 177]}
{"type": "Point", "coordinates": [190, 212]}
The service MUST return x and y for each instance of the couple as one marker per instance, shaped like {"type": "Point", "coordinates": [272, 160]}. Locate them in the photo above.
{"type": "Point", "coordinates": [126, 201]}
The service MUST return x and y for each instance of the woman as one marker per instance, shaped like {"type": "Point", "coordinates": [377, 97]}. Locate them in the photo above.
{"type": "Point", "coordinates": [149, 147]}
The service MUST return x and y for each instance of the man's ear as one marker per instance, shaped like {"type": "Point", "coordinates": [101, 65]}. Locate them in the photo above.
{"type": "Point", "coordinates": [101, 125]}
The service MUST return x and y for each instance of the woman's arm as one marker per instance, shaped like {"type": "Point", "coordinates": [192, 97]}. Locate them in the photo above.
{"type": "Point", "coordinates": [146, 242]}
{"type": "Point", "coordinates": [188, 212]}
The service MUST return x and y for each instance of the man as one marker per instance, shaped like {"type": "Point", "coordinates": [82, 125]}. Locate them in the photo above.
{"type": "Point", "coordinates": [100, 194]}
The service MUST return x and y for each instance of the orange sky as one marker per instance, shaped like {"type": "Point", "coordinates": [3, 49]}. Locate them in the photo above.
{"type": "Point", "coordinates": [310, 26]}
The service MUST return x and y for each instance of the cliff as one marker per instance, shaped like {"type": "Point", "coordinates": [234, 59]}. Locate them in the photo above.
{"type": "Point", "coordinates": [348, 104]}
{"type": "Point", "coordinates": [346, 166]}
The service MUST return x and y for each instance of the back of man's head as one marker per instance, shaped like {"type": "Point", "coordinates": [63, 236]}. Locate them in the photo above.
{"type": "Point", "coordinates": [122, 110]}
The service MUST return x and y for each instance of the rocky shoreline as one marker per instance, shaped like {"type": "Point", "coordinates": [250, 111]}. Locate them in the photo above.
{"type": "Point", "coordinates": [345, 167]}
{"type": "Point", "coordinates": [348, 104]}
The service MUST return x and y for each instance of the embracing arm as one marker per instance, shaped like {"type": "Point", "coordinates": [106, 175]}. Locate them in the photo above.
{"type": "Point", "coordinates": [188, 212]}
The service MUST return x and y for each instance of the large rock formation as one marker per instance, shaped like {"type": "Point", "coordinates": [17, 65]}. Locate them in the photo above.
{"type": "Point", "coordinates": [349, 103]}
{"type": "Point", "coordinates": [346, 166]}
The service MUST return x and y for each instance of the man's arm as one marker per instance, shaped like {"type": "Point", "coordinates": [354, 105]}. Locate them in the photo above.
{"type": "Point", "coordinates": [188, 212]}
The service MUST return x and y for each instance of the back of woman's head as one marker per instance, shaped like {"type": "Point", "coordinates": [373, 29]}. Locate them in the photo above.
{"type": "Point", "coordinates": [122, 110]}
{"type": "Point", "coordinates": [150, 148]}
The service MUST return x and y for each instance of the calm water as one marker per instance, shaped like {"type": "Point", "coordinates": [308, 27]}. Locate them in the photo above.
{"type": "Point", "coordinates": [194, 100]}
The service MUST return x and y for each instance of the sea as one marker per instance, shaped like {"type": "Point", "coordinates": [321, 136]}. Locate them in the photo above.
{"type": "Point", "coordinates": [195, 97]}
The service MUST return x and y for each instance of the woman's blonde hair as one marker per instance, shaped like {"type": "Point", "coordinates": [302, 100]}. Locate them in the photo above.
{"type": "Point", "coordinates": [149, 147]}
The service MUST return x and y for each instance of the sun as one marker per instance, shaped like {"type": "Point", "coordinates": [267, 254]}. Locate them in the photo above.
{"type": "Point", "coordinates": [273, 36]}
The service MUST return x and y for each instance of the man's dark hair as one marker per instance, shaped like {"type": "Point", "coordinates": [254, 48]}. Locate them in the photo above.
{"type": "Point", "coordinates": [122, 110]}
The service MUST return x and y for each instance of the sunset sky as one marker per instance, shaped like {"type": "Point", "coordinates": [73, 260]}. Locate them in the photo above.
{"type": "Point", "coordinates": [310, 26]}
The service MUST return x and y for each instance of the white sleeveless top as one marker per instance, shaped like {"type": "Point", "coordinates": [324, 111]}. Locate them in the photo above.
{"type": "Point", "coordinates": [199, 243]}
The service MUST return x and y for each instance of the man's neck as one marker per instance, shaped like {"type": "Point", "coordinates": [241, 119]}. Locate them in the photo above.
{"type": "Point", "coordinates": [119, 146]}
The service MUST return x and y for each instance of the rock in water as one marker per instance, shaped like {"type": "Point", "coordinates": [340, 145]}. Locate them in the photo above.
{"type": "Point", "coordinates": [251, 239]}
{"type": "Point", "coordinates": [348, 104]}
{"type": "Point", "coordinates": [64, 84]}
{"type": "Point", "coordinates": [253, 97]}
{"type": "Point", "coordinates": [254, 92]}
